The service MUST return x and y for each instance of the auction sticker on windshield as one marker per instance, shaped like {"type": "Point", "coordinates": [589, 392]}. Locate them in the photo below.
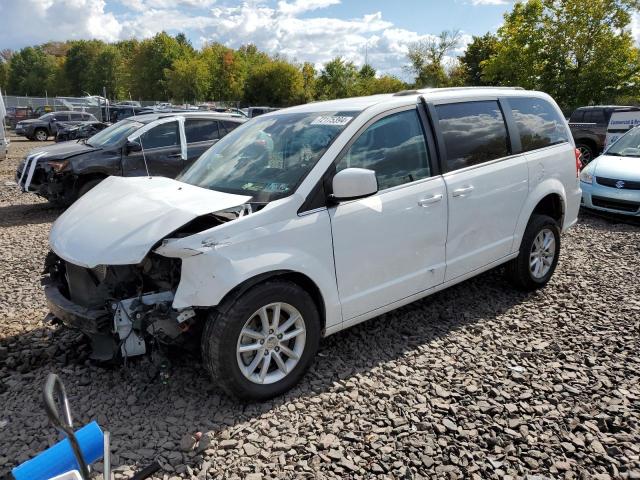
{"type": "Point", "coordinates": [331, 120]}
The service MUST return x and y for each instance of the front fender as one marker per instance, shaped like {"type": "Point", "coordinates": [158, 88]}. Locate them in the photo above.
{"type": "Point", "coordinates": [211, 269]}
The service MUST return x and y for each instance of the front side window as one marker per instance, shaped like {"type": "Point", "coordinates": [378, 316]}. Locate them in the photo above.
{"type": "Point", "coordinates": [199, 130]}
{"type": "Point", "coordinates": [76, 116]}
{"type": "Point", "coordinates": [394, 147]}
{"type": "Point", "coordinates": [269, 156]}
{"type": "Point", "coordinates": [114, 134]}
{"type": "Point", "coordinates": [539, 125]}
{"type": "Point", "coordinates": [163, 135]}
{"type": "Point", "coordinates": [473, 133]}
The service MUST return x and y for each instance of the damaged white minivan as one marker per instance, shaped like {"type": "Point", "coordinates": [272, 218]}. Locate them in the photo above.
{"type": "Point", "coordinates": [308, 220]}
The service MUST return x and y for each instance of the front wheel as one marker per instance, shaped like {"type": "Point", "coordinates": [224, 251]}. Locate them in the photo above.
{"type": "Point", "coordinates": [41, 135]}
{"type": "Point", "coordinates": [539, 253]}
{"type": "Point", "coordinates": [261, 344]}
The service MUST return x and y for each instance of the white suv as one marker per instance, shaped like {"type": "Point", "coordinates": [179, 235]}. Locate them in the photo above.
{"type": "Point", "coordinates": [306, 221]}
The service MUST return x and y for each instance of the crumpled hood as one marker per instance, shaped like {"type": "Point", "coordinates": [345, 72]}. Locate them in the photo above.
{"type": "Point", "coordinates": [60, 151]}
{"type": "Point", "coordinates": [617, 168]}
{"type": "Point", "coordinates": [120, 220]}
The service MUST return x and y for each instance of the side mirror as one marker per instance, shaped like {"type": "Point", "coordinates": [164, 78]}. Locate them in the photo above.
{"type": "Point", "coordinates": [132, 147]}
{"type": "Point", "coordinates": [353, 183]}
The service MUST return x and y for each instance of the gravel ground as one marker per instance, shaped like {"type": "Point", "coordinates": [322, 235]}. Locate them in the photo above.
{"type": "Point", "coordinates": [478, 381]}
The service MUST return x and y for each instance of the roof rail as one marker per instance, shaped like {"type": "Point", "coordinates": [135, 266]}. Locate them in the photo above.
{"type": "Point", "coordinates": [404, 93]}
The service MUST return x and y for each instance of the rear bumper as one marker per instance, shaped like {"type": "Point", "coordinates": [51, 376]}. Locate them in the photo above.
{"type": "Point", "coordinates": [89, 321]}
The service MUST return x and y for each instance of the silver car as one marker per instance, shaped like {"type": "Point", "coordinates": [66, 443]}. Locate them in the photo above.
{"type": "Point", "coordinates": [611, 182]}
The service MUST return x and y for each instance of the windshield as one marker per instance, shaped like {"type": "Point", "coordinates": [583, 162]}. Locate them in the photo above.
{"type": "Point", "coordinates": [267, 157]}
{"type": "Point", "coordinates": [113, 135]}
{"type": "Point", "coordinates": [627, 145]}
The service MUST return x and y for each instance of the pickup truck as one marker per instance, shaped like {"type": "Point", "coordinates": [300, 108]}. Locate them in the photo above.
{"type": "Point", "coordinates": [589, 128]}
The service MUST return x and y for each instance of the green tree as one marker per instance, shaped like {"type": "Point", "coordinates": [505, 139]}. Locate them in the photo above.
{"type": "Point", "coordinates": [4, 75]}
{"type": "Point", "coordinates": [151, 60]}
{"type": "Point", "coordinates": [79, 66]}
{"type": "Point", "coordinates": [188, 79]}
{"type": "Point", "coordinates": [427, 59]}
{"type": "Point", "coordinates": [107, 73]}
{"type": "Point", "coordinates": [30, 71]}
{"type": "Point", "coordinates": [227, 72]}
{"type": "Point", "coordinates": [579, 52]}
{"type": "Point", "coordinates": [338, 79]}
{"type": "Point", "coordinates": [277, 83]}
{"type": "Point", "coordinates": [478, 51]}
{"type": "Point", "coordinates": [308, 81]}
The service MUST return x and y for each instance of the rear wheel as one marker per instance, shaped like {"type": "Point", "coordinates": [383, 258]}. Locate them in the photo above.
{"type": "Point", "coordinates": [539, 253]}
{"type": "Point", "coordinates": [261, 345]}
{"type": "Point", "coordinates": [41, 135]}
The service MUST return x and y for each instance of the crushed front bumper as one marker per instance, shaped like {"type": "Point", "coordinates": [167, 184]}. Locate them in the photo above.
{"type": "Point", "coordinates": [89, 321]}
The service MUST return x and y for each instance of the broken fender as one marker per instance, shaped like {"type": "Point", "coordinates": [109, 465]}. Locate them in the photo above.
{"type": "Point", "coordinates": [120, 220]}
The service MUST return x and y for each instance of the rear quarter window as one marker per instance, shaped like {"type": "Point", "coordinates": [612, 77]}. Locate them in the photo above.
{"type": "Point", "coordinates": [539, 124]}
{"type": "Point", "coordinates": [473, 133]}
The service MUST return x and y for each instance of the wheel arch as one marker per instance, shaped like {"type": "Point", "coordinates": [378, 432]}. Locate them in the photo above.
{"type": "Point", "coordinates": [298, 278]}
{"type": "Point", "coordinates": [548, 198]}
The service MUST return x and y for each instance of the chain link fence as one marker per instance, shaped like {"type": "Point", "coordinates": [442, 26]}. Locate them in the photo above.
{"type": "Point", "coordinates": [24, 107]}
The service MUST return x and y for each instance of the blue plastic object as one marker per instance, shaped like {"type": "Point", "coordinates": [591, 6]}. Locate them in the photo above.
{"type": "Point", "coordinates": [60, 459]}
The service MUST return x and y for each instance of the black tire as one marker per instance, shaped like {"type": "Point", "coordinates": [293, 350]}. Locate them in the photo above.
{"type": "Point", "coordinates": [587, 152]}
{"type": "Point", "coordinates": [222, 331]}
{"type": "Point", "coordinates": [88, 185]}
{"type": "Point", "coordinates": [41, 135]}
{"type": "Point", "coordinates": [518, 270]}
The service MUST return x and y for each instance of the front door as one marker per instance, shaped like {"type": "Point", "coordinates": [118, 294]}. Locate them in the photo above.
{"type": "Point", "coordinates": [486, 186]}
{"type": "Point", "coordinates": [161, 149]}
{"type": "Point", "coordinates": [392, 244]}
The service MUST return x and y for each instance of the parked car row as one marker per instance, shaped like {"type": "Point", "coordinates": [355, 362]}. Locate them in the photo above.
{"type": "Point", "coordinates": [153, 144]}
{"type": "Point", "coordinates": [47, 125]}
{"type": "Point", "coordinates": [300, 222]}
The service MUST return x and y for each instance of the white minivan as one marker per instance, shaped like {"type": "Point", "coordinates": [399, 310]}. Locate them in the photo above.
{"type": "Point", "coordinates": [308, 220]}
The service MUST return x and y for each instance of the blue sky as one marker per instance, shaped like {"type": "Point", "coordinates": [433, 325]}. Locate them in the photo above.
{"type": "Point", "coordinates": [301, 30]}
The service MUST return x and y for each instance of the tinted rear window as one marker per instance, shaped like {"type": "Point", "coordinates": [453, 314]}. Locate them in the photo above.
{"type": "Point", "coordinates": [226, 126]}
{"type": "Point", "coordinates": [473, 132]}
{"type": "Point", "coordinates": [539, 124]}
{"type": "Point", "coordinates": [594, 116]}
{"type": "Point", "coordinates": [201, 130]}
{"type": "Point", "coordinates": [577, 116]}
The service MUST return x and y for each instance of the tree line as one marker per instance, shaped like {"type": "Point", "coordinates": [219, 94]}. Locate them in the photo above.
{"type": "Point", "coordinates": [579, 52]}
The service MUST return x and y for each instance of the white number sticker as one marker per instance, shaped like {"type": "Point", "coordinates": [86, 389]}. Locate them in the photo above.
{"type": "Point", "coordinates": [331, 120]}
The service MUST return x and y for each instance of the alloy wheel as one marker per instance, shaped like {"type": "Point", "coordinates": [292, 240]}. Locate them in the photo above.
{"type": "Point", "coordinates": [542, 253]}
{"type": "Point", "coordinates": [271, 343]}
{"type": "Point", "coordinates": [41, 136]}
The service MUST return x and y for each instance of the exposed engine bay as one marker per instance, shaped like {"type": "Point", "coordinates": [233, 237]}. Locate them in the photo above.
{"type": "Point", "coordinates": [127, 309]}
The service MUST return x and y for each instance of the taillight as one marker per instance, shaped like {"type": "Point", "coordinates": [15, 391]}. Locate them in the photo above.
{"type": "Point", "coordinates": [578, 162]}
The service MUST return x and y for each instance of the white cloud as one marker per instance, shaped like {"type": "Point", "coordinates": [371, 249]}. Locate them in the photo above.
{"type": "Point", "coordinates": [28, 22]}
{"type": "Point", "coordinates": [489, 2]}
{"type": "Point", "coordinates": [285, 28]}
{"type": "Point", "coordinates": [300, 6]}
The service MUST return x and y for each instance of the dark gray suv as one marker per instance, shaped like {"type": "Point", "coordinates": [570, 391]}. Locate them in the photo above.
{"type": "Point", "coordinates": [47, 125]}
{"type": "Point", "coordinates": [156, 144]}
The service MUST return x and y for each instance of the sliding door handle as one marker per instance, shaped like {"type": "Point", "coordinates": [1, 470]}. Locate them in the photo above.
{"type": "Point", "coordinates": [461, 192]}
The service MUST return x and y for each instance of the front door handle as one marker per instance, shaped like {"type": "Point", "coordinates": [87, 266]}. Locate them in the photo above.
{"type": "Point", "coordinates": [425, 202]}
{"type": "Point", "coordinates": [461, 192]}
{"type": "Point", "coordinates": [175, 155]}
